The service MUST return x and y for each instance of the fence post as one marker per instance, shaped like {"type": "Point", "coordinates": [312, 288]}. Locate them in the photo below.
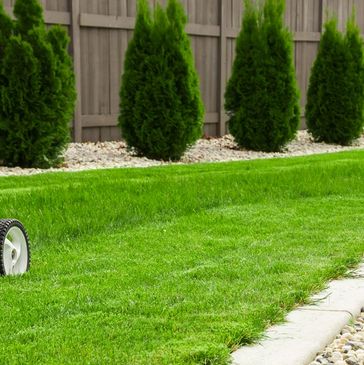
{"type": "Point", "coordinates": [223, 49]}
{"type": "Point", "coordinates": [76, 52]}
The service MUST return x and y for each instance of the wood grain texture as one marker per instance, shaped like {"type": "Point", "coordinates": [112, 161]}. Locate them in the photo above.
{"type": "Point", "coordinates": [76, 54]}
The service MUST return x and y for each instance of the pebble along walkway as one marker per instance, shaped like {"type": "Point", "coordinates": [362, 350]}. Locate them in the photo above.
{"type": "Point", "coordinates": [87, 156]}
{"type": "Point", "coordinates": [347, 348]}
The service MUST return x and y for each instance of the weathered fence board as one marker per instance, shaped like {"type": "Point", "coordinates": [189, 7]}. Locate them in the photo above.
{"type": "Point", "coordinates": [100, 31]}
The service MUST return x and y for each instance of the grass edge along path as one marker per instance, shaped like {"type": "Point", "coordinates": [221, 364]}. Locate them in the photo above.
{"type": "Point", "coordinates": [206, 257]}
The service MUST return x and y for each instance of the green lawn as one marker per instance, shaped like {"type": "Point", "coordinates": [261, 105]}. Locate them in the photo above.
{"type": "Point", "coordinates": [174, 265]}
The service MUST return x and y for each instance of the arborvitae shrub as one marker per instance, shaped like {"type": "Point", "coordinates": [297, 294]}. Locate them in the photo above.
{"type": "Point", "coordinates": [19, 102]}
{"type": "Point", "coordinates": [261, 97]}
{"type": "Point", "coordinates": [134, 76]}
{"type": "Point", "coordinates": [161, 109]}
{"type": "Point", "coordinates": [29, 15]}
{"type": "Point", "coordinates": [335, 99]}
{"type": "Point", "coordinates": [37, 93]}
{"type": "Point", "coordinates": [65, 94]}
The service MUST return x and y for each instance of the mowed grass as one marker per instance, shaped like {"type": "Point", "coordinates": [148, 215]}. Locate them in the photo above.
{"type": "Point", "coordinates": [174, 265]}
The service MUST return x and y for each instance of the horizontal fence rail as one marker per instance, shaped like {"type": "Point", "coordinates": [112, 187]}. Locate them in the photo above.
{"type": "Point", "coordinates": [101, 29]}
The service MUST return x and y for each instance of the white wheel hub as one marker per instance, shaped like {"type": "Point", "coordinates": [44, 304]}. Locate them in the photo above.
{"type": "Point", "coordinates": [15, 253]}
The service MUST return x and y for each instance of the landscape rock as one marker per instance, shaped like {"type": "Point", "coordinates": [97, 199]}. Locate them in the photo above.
{"type": "Point", "coordinates": [101, 155]}
{"type": "Point", "coordinates": [347, 348]}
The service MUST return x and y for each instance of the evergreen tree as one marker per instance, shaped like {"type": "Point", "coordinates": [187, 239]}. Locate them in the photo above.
{"type": "Point", "coordinates": [34, 122]}
{"type": "Point", "coordinates": [65, 94]}
{"type": "Point", "coordinates": [134, 76]}
{"type": "Point", "coordinates": [29, 15]}
{"type": "Point", "coordinates": [161, 108]}
{"type": "Point", "coordinates": [261, 97]}
{"type": "Point", "coordinates": [19, 103]}
{"type": "Point", "coordinates": [186, 79]}
{"type": "Point", "coordinates": [335, 99]}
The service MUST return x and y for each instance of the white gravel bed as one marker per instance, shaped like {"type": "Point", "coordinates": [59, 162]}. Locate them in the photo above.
{"type": "Point", "coordinates": [87, 156]}
{"type": "Point", "coordinates": [347, 348]}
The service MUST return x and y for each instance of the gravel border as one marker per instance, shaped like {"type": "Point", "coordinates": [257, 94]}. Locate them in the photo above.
{"type": "Point", "coordinates": [347, 348]}
{"type": "Point", "coordinates": [101, 155]}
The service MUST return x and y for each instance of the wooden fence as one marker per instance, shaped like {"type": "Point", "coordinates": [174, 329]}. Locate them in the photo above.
{"type": "Point", "coordinates": [100, 31]}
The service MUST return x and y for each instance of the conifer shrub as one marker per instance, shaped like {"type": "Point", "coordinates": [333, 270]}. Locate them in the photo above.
{"type": "Point", "coordinates": [134, 76]}
{"type": "Point", "coordinates": [161, 112]}
{"type": "Point", "coordinates": [261, 98]}
{"type": "Point", "coordinates": [19, 104]}
{"type": "Point", "coordinates": [37, 91]}
{"type": "Point", "coordinates": [29, 15]}
{"type": "Point", "coordinates": [65, 91]}
{"type": "Point", "coordinates": [335, 98]}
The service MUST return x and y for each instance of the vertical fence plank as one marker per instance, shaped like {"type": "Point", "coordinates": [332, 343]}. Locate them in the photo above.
{"type": "Point", "coordinates": [223, 59]}
{"type": "Point", "coordinates": [76, 51]}
{"type": "Point", "coordinates": [114, 66]}
{"type": "Point", "coordinates": [94, 76]}
{"type": "Point", "coordinates": [115, 55]}
{"type": "Point", "coordinates": [104, 68]}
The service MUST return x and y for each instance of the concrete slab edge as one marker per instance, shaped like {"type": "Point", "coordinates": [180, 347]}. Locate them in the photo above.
{"type": "Point", "coordinates": [309, 329]}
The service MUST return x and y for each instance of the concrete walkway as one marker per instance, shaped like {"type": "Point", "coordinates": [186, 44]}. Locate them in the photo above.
{"type": "Point", "coordinates": [310, 328]}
